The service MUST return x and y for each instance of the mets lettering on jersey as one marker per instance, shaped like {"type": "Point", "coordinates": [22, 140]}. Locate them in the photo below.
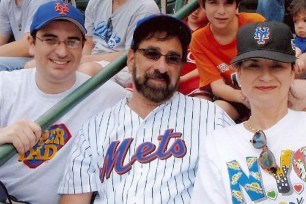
{"type": "Point", "coordinates": [115, 155]}
{"type": "Point", "coordinates": [51, 141]}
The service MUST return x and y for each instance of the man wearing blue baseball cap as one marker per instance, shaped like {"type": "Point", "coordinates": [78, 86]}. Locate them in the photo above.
{"type": "Point", "coordinates": [56, 41]}
{"type": "Point", "coordinates": [144, 149]}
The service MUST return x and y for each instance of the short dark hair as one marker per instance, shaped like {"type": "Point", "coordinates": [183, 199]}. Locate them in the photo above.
{"type": "Point", "coordinates": [151, 27]}
{"type": "Point", "coordinates": [296, 7]}
{"type": "Point", "coordinates": [202, 2]}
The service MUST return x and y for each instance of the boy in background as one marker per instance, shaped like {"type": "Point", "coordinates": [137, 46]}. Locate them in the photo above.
{"type": "Point", "coordinates": [298, 12]}
{"type": "Point", "coordinates": [189, 80]}
{"type": "Point", "coordinates": [214, 46]}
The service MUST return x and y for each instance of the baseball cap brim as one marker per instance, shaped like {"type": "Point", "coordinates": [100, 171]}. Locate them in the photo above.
{"type": "Point", "coordinates": [265, 54]}
{"type": "Point", "coordinates": [81, 27]}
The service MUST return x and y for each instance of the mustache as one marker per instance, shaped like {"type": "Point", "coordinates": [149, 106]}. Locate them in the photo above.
{"type": "Point", "coordinates": [157, 75]}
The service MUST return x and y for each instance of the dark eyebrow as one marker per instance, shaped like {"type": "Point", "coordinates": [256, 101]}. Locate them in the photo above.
{"type": "Point", "coordinates": [55, 36]}
{"type": "Point", "coordinates": [169, 52]}
{"type": "Point", "coordinates": [49, 35]}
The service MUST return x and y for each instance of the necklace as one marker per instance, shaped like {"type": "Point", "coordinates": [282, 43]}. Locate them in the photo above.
{"type": "Point", "coordinates": [248, 125]}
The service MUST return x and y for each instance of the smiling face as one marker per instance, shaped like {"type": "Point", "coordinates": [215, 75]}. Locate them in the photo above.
{"type": "Point", "coordinates": [265, 82]}
{"type": "Point", "coordinates": [56, 64]}
{"type": "Point", "coordinates": [220, 13]}
{"type": "Point", "coordinates": [156, 79]}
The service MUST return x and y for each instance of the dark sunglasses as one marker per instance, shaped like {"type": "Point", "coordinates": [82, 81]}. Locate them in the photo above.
{"type": "Point", "coordinates": [154, 54]}
{"type": "Point", "coordinates": [266, 158]}
{"type": "Point", "coordinates": [5, 198]}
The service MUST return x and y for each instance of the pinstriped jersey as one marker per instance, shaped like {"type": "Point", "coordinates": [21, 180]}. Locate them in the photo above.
{"type": "Point", "coordinates": [127, 159]}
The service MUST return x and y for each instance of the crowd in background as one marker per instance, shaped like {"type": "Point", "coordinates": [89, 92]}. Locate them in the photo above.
{"type": "Point", "coordinates": [45, 56]}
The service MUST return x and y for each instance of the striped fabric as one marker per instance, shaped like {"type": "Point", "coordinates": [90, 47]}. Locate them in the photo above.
{"type": "Point", "coordinates": [128, 159]}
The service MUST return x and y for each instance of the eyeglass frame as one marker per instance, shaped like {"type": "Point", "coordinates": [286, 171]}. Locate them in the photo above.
{"type": "Point", "coordinates": [167, 59]}
{"type": "Point", "coordinates": [57, 42]}
{"type": "Point", "coordinates": [273, 167]}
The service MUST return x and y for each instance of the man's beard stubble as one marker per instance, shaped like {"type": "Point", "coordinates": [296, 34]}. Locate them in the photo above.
{"type": "Point", "coordinates": [156, 94]}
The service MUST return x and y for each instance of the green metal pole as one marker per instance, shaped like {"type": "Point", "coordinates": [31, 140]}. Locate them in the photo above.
{"type": "Point", "coordinates": [186, 10]}
{"type": "Point", "coordinates": [178, 5]}
{"type": "Point", "coordinates": [67, 103]}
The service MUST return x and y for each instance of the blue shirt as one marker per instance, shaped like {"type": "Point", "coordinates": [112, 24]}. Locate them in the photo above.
{"type": "Point", "coordinates": [300, 43]}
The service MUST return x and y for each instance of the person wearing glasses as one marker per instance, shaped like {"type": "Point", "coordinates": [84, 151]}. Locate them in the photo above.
{"type": "Point", "coordinates": [110, 25]}
{"type": "Point", "coordinates": [145, 148]}
{"type": "Point", "coordinates": [263, 159]}
{"type": "Point", "coordinates": [57, 38]}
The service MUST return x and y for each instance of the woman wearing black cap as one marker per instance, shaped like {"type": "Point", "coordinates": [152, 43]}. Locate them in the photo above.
{"type": "Point", "coordinates": [263, 159]}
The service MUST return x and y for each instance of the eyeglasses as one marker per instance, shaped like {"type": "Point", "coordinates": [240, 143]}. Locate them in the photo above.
{"type": "Point", "coordinates": [70, 43]}
{"type": "Point", "coordinates": [154, 54]}
{"type": "Point", "coordinates": [266, 158]}
{"type": "Point", "coordinates": [5, 198]}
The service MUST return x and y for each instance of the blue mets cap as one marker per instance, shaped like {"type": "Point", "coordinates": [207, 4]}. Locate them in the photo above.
{"type": "Point", "coordinates": [57, 10]}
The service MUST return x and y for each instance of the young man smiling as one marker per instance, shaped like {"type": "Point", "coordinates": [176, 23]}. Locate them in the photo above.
{"type": "Point", "coordinates": [57, 39]}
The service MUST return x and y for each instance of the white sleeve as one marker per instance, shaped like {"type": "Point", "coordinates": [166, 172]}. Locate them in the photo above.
{"type": "Point", "coordinates": [1, 99]}
{"type": "Point", "coordinates": [5, 26]}
{"type": "Point", "coordinates": [90, 13]}
{"type": "Point", "coordinates": [208, 186]}
{"type": "Point", "coordinates": [147, 8]}
{"type": "Point", "coordinates": [79, 176]}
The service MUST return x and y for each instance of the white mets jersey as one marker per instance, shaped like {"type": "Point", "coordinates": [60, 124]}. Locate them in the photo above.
{"type": "Point", "coordinates": [127, 159]}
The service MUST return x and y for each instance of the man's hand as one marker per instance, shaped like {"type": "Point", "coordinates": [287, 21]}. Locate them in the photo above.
{"type": "Point", "coordinates": [23, 134]}
{"type": "Point", "coordinates": [297, 95]}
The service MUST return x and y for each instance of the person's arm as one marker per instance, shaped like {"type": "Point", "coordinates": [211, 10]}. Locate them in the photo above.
{"type": "Point", "coordinates": [226, 92]}
{"type": "Point", "coordinates": [194, 73]}
{"type": "Point", "coordinates": [88, 46]}
{"type": "Point", "coordinates": [79, 178]}
{"type": "Point", "coordinates": [83, 198]}
{"type": "Point", "coordinates": [101, 57]}
{"type": "Point", "coordinates": [300, 66]}
{"type": "Point", "coordinates": [208, 183]}
{"type": "Point", "coordinates": [4, 39]}
{"type": "Point", "coordinates": [19, 48]}
{"type": "Point", "coordinates": [23, 134]}
{"type": "Point", "coordinates": [297, 95]}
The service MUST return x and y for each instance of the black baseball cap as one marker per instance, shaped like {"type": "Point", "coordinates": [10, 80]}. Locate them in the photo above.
{"type": "Point", "coordinates": [162, 22]}
{"type": "Point", "coordinates": [269, 40]}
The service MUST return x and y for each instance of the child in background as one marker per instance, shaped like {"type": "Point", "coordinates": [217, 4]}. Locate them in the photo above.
{"type": "Point", "coordinates": [189, 80]}
{"type": "Point", "coordinates": [298, 12]}
{"type": "Point", "coordinates": [214, 46]}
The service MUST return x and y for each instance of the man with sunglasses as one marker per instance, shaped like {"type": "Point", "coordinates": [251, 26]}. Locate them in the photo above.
{"type": "Point", "coordinates": [262, 160]}
{"type": "Point", "coordinates": [144, 149]}
{"type": "Point", "coordinates": [57, 38]}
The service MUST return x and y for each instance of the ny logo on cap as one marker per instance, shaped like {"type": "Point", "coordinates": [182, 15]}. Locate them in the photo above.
{"type": "Point", "coordinates": [62, 8]}
{"type": "Point", "coordinates": [261, 34]}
